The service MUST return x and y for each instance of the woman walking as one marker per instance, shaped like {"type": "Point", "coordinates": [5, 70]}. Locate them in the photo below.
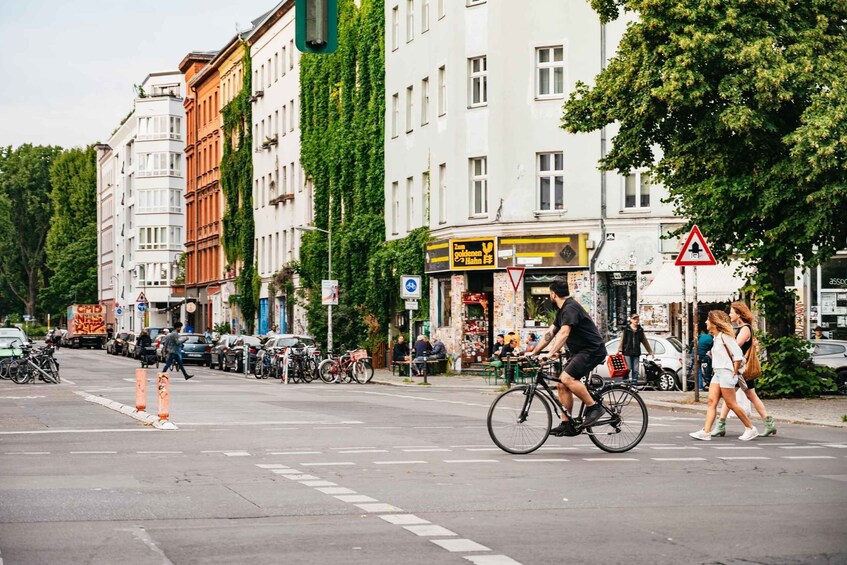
{"type": "Point", "coordinates": [740, 315]}
{"type": "Point", "coordinates": [726, 360]}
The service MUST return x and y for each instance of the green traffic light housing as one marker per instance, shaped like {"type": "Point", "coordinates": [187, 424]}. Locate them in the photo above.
{"type": "Point", "coordinates": [316, 26]}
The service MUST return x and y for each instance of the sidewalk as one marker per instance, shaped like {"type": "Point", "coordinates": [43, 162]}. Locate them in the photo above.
{"type": "Point", "coordinates": [825, 411]}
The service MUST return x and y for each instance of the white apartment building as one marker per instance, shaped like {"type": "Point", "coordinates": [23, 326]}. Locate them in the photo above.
{"type": "Point", "coordinates": [474, 151]}
{"type": "Point", "coordinates": [141, 186]}
{"type": "Point", "coordinates": [282, 197]}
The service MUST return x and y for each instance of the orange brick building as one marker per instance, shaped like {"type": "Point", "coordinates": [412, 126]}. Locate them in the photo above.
{"type": "Point", "coordinates": [203, 200]}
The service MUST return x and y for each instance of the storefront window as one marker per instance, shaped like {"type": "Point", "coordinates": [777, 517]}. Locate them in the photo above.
{"type": "Point", "coordinates": [445, 303]}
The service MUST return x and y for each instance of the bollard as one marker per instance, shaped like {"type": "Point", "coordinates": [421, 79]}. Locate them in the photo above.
{"type": "Point", "coordinates": [164, 396]}
{"type": "Point", "coordinates": [141, 389]}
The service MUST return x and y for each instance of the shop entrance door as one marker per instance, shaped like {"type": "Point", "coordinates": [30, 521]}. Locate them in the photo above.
{"type": "Point", "coordinates": [623, 299]}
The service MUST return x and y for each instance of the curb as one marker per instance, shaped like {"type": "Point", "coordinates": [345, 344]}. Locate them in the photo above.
{"type": "Point", "coordinates": [139, 415]}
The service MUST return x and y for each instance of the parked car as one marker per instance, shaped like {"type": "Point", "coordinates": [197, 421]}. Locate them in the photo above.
{"type": "Point", "coordinates": [667, 351]}
{"type": "Point", "coordinates": [129, 349]}
{"type": "Point", "coordinates": [234, 356]}
{"type": "Point", "coordinates": [196, 349]}
{"type": "Point", "coordinates": [158, 343]}
{"type": "Point", "coordinates": [223, 344]}
{"type": "Point", "coordinates": [110, 346]}
{"type": "Point", "coordinates": [15, 332]}
{"type": "Point", "coordinates": [10, 346]}
{"type": "Point", "coordinates": [832, 353]}
{"type": "Point", "coordinates": [119, 347]}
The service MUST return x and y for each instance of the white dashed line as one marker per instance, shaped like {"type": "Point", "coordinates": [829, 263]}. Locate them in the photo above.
{"type": "Point", "coordinates": [609, 459]}
{"type": "Point", "coordinates": [379, 507]}
{"type": "Point", "coordinates": [678, 459]}
{"type": "Point", "coordinates": [482, 449]}
{"type": "Point", "coordinates": [301, 477]}
{"type": "Point", "coordinates": [459, 545]}
{"type": "Point", "coordinates": [731, 447]}
{"type": "Point", "coordinates": [236, 454]}
{"type": "Point", "coordinates": [808, 457]}
{"type": "Point", "coordinates": [355, 498]}
{"type": "Point", "coordinates": [742, 458]}
{"type": "Point", "coordinates": [27, 453]}
{"type": "Point", "coordinates": [93, 452]}
{"type": "Point", "coordinates": [801, 447]}
{"type": "Point", "coordinates": [348, 451]}
{"type": "Point", "coordinates": [403, 519]}
{"type": "Point", "coordinates": [429, 530]}
{"type": "Point", "coordinates": [327, 464]}
{"type": "Point", "coordinates": [540, 460]}
{"type": "Point", "coordinates": [158, 452]}
{"type": "Point", "coordinates": [491, 560]}
{"type": "Point", "coordinates": [342, 449]}
{"type": "Point", "coordinates": [319, 484]}
{"type": "Point", "coordinates": [332, 428]}
{"type": "Point", "coordinates": [271, 466]}
{"type": "Point", "coordinates": [286, 471]}
{"type": "Point", "coordinates": [294, 453]}
{"type": "Point", "coordinates": [335, 490]}
{"type": "Point", "coordinates": [433, 427]}
{"type": "Point", "coordinates": [835, 445]}
{"type": "Point", "coordinates": [399, 462]}
{"type": "Point", "coordinates": [426, 449]}
{"type": "Point", "coordinates": [471, 461]}
{"type": "Point", "coordinates": [676, 448]}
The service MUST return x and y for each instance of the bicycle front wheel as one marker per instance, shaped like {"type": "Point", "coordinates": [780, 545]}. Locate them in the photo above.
{"type": "Point", "coordinates": [366, 370]}
{"type": "Point", "coordinates": [513, 433]}
{"type": "Point", "coordinates": [326, 370]}
{"type": "Point", "coordinates": [623, 423]}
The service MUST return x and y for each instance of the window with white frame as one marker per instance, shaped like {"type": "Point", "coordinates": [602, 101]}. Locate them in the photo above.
{"type": "Point", "coordinates": [442, 90]}
{"type": "Point", "coordinates": [424, 16]}
{"type": "Point", "coordinates": [395, 115]}
{"type": "Point", "coordinates": [395, 207]}
{"type": "Point", "coordinates": [479, 186]}
{"type": "Point", "coordinates": [637, 190]}
{"type": "Point", "coordinates": [293, 173]}
{"type": "Point", "coordinates": [159, 200]}
{"type": "Point", "coordinates": [159, 164]}
{"type": "Point", "coordinates": [282, 62]}
{"type": "Point", "coordinates": [550, 172]}
{"type": "Point", "coordinates": [284, 118]}
{"type": "Point", "coordinates": [425, 197]}
{"type": "Point", "coordinates": [410, 203]}
{"type": "Point", "coordinates": [478, 75]}
{"type": "Point", "coordinates": [410, 108]}
{"type": "Point", "coordinates": [276, 67]}
{"type": "Point", "coordinates": [425, 101]}
{"type": "Point", "coordinates": [159, 127]}
{"type": "Point", "coordinates": [441, 8]}
{"type": "Point", "coordinates": [442, 193]}
{"type": "Point", "coordinates": [152, 238]}
{"type": "Point", "coordinates": [550, 72]}
{"type": "Point", "coordinates": [284, 180]}
{"type": "Point", "coordinates": [410, 20]}
{"type": "Point", "coordinates": [290, 54]}
{"type": "Point", "coordinates": [291, 117]}
{"type": "Point", "coordinates": [395, 28]}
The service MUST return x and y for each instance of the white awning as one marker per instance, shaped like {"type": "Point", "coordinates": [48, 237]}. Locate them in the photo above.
{"type": "Point", "coordinates": [719, 283]}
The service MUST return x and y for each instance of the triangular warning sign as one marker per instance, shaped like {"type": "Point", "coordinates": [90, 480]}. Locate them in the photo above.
{"type": "Point", "coordinates": [516, 276]}
{"type": "Point", "coordinates": [695, 252]}
{"type": "Point", "coordinates": [141, 297]}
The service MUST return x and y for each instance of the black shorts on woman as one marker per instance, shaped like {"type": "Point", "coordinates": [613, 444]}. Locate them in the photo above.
{"type": "Point", "coordinates": [584, 341]}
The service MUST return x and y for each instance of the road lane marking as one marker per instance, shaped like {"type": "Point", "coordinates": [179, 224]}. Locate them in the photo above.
{"type": "Point", "coordinates": [399, 462]}
{"type": "Point", "coordinates": [319, 483]}
{"type": "Point", "coordinates": [348, 451]}
{"type": "Point", "coordinates": [678, 458]}
{"type": "Point", "coordinates": [378, 507]}
{"type": "Point", "coordinates": [403, 519]}
{"type": "Point", "coordinates": [34, 432]}
{"type": "Point", "coordinates": [294, 453]}
{"type": "Point", "coordinates": [731, 447]}
{"type": "Point", "coordinates": [237, 453]}
{"type": "Point", "coordinates": [293, 477]}
{"type": "Point", "coordinates": [352, 447]}
{"type": "Point", "coordinates": [835, 445]}
{"type": "Point", "coordinates": [459, 545]}
{"type": "Point", "coordinates": [470, 461]}
{"type": "Point", "coordinates": [540, 460]}
{"type": "Point", "coordinates": [142, 535]}
{"type": "Point", "coordinates": [332, 428]}
{"type": "Point", "coordinates": [490, 560]}
{"type": "Point", "coordinates": [426, 449]}
{"type": "Point", "coordinates": [355, 498]}
{"type": "Point", "coordinates": [482, 449]}
{"type": "Point", "coordinates": [158, 452]}
{"type": "Point", "coordinates": [93, 452]}
{"type": "Point", "coordinates": [271, 466]}
{"type": "Point", "coordinates": [610, 459]}
{"type": "Point", "coordinates": [27, 453]}
{"type": "Point", "coordinates": [675, 448]}
{"type": "Point", "coordinates": [327, 464]}
{"type": "Point", "coordinates": [429, 530]}
{"type": "Point", "coordinates": [432, 428]}
{"type": "Point", "coordinates": [286, 471]}
{"type": "Point", "coordinates": [336, 490]}
{"type": "Point", "coordinates": [742, 458]}
{"type": "Point", "coordinates": [801, 447]}
{"type": "Point", "coordinates": [808, 457]}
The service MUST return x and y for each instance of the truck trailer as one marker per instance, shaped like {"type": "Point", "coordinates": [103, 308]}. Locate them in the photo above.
{"type": "Point", "coordinates": [86, 326]}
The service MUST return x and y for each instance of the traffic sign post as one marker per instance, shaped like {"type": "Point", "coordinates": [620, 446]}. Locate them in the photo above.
{"type": "Point", "coordinates": [516, 277]}
{"type": "Point", "coordinates": [410, 290]}
{"type": "Point", "coordinates": [695, 252]}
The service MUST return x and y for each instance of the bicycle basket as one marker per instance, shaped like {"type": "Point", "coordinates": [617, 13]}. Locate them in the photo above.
{"type": "Point", "coordinates": [359, 354]}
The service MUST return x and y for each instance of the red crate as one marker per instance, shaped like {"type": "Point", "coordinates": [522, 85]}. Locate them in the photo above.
{"type": "Point", "coordinates": [617, 365]}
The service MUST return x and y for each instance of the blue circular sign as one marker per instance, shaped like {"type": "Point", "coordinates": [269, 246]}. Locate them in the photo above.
{"type": "Point", "coordinates": [119, 311]}
{"type": "Point", "coordinates": [411, 285]}
{"type": "Point", "coordinates": [141, 306]}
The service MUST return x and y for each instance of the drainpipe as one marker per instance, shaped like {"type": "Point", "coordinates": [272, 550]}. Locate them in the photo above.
{"type": "Point", "coordinates": [596, 254]}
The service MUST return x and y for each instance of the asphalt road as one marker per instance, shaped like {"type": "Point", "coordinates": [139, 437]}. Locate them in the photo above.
{"type": "Point", "coordinates": [261, 472]}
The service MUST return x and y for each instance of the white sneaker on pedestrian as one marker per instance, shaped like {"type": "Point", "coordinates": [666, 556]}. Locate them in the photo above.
{"type": "Point", "coordinates": [749, 434]}
{"type": "Point", "coordinates": [701, 435]}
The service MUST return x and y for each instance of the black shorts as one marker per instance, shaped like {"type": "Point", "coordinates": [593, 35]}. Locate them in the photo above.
{"type": "Point", "coordinates": [582, 363]}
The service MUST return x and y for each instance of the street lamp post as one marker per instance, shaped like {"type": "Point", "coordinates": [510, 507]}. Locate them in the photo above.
{"type": "Point", "coordinates": [115, 282]}
{"type": "Point", "coordinates": [329, 307]}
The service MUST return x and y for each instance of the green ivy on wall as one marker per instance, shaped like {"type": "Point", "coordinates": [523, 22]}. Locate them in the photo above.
{"type": "Point", "coordinates": [237, 185]}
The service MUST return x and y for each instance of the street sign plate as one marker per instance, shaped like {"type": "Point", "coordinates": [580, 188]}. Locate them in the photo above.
{"type": "Point", "coordinates": [141, 297]}
{"type": "Point", "coordinates": [411, 305]}
{"type": "Point", "coordinates": [515, 276]}
{"type": "Point", "coordinates": [119, 311]}
{"type": "Point", "coordinates": [695, 252]}
{"type": "Point", "coordinates": [141, 307]}
{"type": "Point", "coordinates": [410, 287]}
{"type": "Point", "coordinates": [329, 292]}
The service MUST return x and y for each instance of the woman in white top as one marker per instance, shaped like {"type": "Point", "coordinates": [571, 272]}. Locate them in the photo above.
{"type": "Point", "coordinates": [726, 361]}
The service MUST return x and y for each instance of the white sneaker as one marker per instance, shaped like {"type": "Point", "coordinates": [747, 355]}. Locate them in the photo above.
{"type": "Point", "coordinates": [749, 434]}
{"type": "Point", "coordinates": [701, 435]}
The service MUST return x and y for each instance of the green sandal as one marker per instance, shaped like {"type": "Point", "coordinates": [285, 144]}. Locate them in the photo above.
{"type": "Point", "coordinates": [770, 428]}
{"type": "Point", "coordinates": [720, 428]}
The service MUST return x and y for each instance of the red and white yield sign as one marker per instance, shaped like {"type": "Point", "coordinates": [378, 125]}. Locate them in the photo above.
{"type": "Point", "coordinates": [515, 276]}
{"type": "Point", "coordinates": [695, 252]}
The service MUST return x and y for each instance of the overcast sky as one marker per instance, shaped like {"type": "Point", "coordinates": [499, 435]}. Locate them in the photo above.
{"type": "Point", "coordinates": [67, 66]}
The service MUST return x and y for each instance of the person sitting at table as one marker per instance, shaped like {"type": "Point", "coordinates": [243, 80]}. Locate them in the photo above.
{"type": "Point", "coordinates": [400, 351]}
{"type": "Point", "coordinates": [422, 350]}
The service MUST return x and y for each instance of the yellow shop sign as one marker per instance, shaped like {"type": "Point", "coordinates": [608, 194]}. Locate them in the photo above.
{"type": "Point", "coordinates": [473, 253]}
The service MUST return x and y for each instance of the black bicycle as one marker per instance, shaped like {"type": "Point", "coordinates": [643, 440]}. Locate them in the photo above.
{"type": "Point", "coordinates": [520, 419]}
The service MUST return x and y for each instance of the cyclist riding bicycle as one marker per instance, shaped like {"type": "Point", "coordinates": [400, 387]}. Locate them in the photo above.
{"type": "Point", "coordinates": [575, 328]}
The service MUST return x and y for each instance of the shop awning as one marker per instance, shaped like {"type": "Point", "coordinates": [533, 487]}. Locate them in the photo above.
{"type": "Point", "coordinates": [720, 283]}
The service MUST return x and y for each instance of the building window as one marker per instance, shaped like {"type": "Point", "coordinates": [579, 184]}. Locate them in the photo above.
{"type": "Point", "coordinates": [159, 127]}
{"type": "Point", "coordinates": [410, 203]}
{"type": "Point", "coordinates": [637, 190]}
{"type": "Point", "coordinates": [159, 164]}
{"type": "Point", "coordinates": [478, 75]}
{"type": "Point", "coordinates": [282, 65]}
{"type": "Point", "coordinates": [479, 186]}
{"type": "Point", "coordinates": [152, 238]}
{"type": "Point", "coordinates": [425, 101]}
{"type": "Point", "coordinates": [550, 72]}
{"type": "Point", "coordinates": [395, 207]}
{"type": "Point", "coordinates": [290, 54]}
{"type": "Point", "coordinates": [441, 9]}
{"type": "Point", "coordinates": [445, 303]}
{"type": "Point", "coordinates": [159, 200]}
{"type": "Point", "coordinates": [442, 193]}
{"type": "Point", "coordinates": [291, 118]}
{"type": "Point", "coordinates": [395, 115]}
{"type": "Point", "coordinates": [551, 181]}
{"type": "Point", "coordinates": [395, 28]}
{"type": "Point", "coordinates": [442, 90]}
{"type": "Point", "coordinates": [425, 198]}
{"type": "Point", "coordinates": [284, 118]}
{"type": "Point", "coordinates": [410, 108]}
{"type": "Point", "coordinates": [410, 20]}
{"type": "Point", "coordinates": [424, 16]}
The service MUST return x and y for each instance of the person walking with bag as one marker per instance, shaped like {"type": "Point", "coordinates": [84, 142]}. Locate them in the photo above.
{"type": "Point", "coordinates": [173, 347]}
{"type": "Point", "coordinates": [726, 362]}
{"type": "Point", "coordinates": [741, 316]}
{"type": "Point", "coordinates": [631, 341]}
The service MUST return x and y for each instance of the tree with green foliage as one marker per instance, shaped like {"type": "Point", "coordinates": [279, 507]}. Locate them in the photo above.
{"type": "Point", "coordinates": [25, 212]}
{"type": "Point", "coordinates": [72, 238]}
{"type": "Point", "coordinates": [739, 107]}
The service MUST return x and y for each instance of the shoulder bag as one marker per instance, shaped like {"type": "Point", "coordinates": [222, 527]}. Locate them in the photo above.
{"type": "Point", "coordinates": [742, 384]}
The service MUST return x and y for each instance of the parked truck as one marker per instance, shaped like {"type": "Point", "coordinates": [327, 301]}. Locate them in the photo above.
{"type": "Point", "coordinates": [86, 326]}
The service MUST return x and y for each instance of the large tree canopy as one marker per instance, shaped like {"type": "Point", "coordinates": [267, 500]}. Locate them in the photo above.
{"type": "Point", "coordinates": [739, 108]}
{"type": "Point", "coordinates": [25, 211]}
{"type": "Point", "coordinates": [72, 238]}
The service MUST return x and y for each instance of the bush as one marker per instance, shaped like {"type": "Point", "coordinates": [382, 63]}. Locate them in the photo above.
{"type": "Point", "coordinates": [789, 371]}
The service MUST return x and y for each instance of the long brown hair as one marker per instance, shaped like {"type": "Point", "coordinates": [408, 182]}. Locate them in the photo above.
{"type": "Point", "coordinates": [720, 320]}
{"type": "Point", "coordinates": [744, 313]}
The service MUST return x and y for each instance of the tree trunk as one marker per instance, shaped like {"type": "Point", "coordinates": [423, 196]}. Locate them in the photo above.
{"type": "Point", "coordinates": [780, 314]}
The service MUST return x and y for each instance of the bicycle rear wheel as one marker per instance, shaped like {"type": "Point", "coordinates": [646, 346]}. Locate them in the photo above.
{"type": "Point", "coordinates": [507, 430]}
{"type": "Point", "coordinates": [366, 370]}
{"type": "Point", "coordinates": [326, 370]}
{"type": "Point", "coordinates": [21, 373]}
{"type": "Point", "coordinates": [623, 423]}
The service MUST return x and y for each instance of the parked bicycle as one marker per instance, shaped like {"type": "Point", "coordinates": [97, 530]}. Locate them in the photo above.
{"type": "Point", "coordinates": [520, 419]}
{"type": "Point", "coordinates": [352, 366]}
{"type": "Point", "coordinates": [32, 364]}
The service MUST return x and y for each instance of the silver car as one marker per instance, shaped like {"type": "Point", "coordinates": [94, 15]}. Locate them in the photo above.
{"type": "Point", "coordinates": [667, 351]}
{"type": "Point", "coordinates": [832, 353]}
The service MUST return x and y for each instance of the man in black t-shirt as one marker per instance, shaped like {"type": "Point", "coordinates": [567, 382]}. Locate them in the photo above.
{"type": "Point", "coordinates": [573, 327]}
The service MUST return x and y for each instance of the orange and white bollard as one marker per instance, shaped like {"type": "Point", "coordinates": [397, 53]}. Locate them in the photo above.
{"type": "Point", "coordinates": [141, 389]}
{"type": "Point", "coordinates": [163, 387]}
